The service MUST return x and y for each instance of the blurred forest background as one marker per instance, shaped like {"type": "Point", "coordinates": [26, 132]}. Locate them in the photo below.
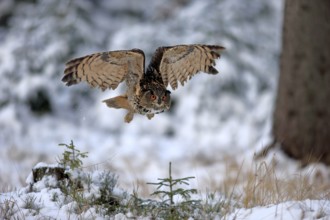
{"type": "Point", "coordinates": [212, 118]}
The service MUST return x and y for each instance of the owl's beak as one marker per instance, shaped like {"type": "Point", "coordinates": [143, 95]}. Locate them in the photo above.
{"type": "Point", "coordinates": [159, 102]}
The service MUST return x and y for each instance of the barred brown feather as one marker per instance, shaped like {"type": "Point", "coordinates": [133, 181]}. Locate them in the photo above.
{"type": "Point", "coordinates": [180, 63]}
{"type": "Point", "coordinates": [105, 70]}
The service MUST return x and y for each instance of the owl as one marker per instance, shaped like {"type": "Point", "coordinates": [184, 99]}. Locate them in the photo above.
{"type": "Point", "coordinates": [146, 91]}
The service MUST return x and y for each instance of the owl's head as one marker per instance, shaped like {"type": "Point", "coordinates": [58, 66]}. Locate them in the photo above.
{"type": "Point", "coordinates": [156, 100]}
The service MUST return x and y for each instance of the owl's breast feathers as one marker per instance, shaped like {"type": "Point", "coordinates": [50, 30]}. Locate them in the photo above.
{"type": "Point", "coordinates": [143, 110]}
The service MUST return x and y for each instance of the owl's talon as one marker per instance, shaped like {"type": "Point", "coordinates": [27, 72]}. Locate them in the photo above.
{"type": "Point", "coordinates": [129, 117]}
{"type": "Point", "coordinates": [150, 116]}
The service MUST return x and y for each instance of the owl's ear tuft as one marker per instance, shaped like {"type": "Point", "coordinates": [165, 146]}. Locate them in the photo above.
{"type": "Point", "coordinates": [149, 92]}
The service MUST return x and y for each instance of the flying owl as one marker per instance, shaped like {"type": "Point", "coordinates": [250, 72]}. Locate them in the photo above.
{"type": "Point", "coordinates": [146, 92]}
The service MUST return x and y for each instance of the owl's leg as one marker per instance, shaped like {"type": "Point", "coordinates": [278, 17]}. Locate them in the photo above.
{"type": "Point", "coordinates": [150, 116]}
{"type": "Point", "coordinates": [129, 117]}
{"type": "Point", "coordinates": [121, 102]}
{"type": "Point", "coordinates": [118, 102]}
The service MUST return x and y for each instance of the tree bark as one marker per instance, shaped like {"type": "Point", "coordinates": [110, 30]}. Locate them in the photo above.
{"type": "Point", "coordinates": [302, 111]}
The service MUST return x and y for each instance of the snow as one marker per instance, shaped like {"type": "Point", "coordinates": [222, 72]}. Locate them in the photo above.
{"type": "Point", "coordinates": [307, 209]}
{"type": "Point", "coordinates": [46, 200]}
{"type": "Point", "coordinates": [213, 118]}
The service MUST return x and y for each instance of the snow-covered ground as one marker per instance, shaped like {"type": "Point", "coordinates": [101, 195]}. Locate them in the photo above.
{"type": "Point", "coordinates": [307, 209]}
{"type": "Point", "coordinates": [45, 199]}
{"type": "Point", "coordinates": [216, 121]}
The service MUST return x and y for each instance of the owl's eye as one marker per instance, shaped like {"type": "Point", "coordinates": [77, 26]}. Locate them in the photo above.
{"type": "Point", "coordinates": [164, 98]}
{"type": "Point", "coordinates": [153, 97]}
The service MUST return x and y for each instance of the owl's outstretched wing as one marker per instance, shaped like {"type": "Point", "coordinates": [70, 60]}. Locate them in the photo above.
{"type": "Point", "coordinates": [181, 62]}
{"type": "Point", "coordinates": [105, 70]}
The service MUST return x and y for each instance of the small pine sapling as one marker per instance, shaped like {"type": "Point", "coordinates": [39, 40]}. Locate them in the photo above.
{"type": "Point", "coordinates": [72, 156]}
{"type": "Point", "coordinates": [172, 184]}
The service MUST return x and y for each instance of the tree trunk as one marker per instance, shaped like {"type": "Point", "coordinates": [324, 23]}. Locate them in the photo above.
{"type": "Point", "coordinates": [302, 112]}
